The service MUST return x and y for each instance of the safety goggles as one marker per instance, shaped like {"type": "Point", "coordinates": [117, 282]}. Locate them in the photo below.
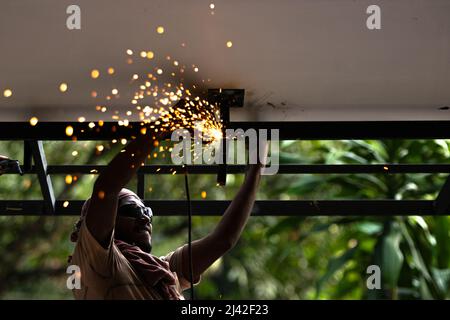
{"type": "Point", "coordinates": [135, 211]}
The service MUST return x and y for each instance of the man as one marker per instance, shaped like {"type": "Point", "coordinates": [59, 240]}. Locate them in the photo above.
{"type": "Point", "coordinates": [114, 236]}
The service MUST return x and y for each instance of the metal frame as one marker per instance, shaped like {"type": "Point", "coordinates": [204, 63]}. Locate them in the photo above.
{"type": "Point", "coordinates": [261, 208]}
{"type": "Point", "coordinates": [289, 130]}
{"type": "Point", "coordinates": [34, 135]}
{"type": "Point", "coordinates": [37, 151]}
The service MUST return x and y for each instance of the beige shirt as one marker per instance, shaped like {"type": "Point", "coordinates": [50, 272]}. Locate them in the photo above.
{"type": "Point", "coordinates": [107, 274]}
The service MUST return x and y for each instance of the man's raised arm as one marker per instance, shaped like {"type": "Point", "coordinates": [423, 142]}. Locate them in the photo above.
{"type": "Point", "coordinates": [101, 215]}
{"type": "Point", "coordinates": [226, 234]}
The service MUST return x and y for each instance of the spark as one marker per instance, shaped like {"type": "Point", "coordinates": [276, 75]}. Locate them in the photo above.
{"type": "Point", "coordinates": [66, 204]}
{"type": "Point", "coordinates": [111, 70]}
{"type": "Point", "coordinates": [33, 121]}
{"type": "Point", "coordinates": [95, 74]}
{"type": "Point", "coordinates": [212, 6]}
{"type": "Point", "coordinates": [160, 30]}
{"type": "Point", "coordinates": [7, 93]}
{"type": "Point", "coordinates": [63, 87]}
{"type": "Point", "coordinates": [162, 115]}
{"type": "Point", "coordinates": [229, 44]}
{"type": "Point", "coordinates": [69, 131]}
{"type": "Point", "coordinates": [68, 179]}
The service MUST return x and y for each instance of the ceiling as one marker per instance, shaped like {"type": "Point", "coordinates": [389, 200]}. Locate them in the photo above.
{"type": "Point", "coordinates": [297, 60]}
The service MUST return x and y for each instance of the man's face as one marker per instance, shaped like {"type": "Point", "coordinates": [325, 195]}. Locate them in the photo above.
{"type": "Point", "coordinates": [134, 225]}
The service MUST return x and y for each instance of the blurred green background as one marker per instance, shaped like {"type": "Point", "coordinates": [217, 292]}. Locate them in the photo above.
{"type": "Point", "coordinates": [276, 257]}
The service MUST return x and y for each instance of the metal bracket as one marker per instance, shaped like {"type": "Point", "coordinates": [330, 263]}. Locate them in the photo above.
{"type": "Point", "coordinates": [226, 99]}
{"type": "Point", "coordinates": [40, 161]}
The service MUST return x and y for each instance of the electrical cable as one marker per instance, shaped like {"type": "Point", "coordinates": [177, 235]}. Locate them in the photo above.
{"type": "Point", "coordinates": [189, 210]}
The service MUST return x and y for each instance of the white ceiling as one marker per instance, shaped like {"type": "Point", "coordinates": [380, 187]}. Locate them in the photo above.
{"type": "Point", "coordinates": [298, 60]}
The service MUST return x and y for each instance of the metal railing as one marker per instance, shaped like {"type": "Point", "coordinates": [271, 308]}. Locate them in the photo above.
{"type": "Point", "coordinates": [43, 131]}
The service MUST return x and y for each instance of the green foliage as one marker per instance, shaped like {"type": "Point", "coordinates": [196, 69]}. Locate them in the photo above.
{"type": "Point", "coordinates": [276, 257]}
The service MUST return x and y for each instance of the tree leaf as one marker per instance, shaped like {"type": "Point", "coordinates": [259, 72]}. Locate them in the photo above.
{"type": "Point", "coordinates": [442, 233]}
{"type": "Point", "coordinates": [442, 277]}
{"type": "Point", "coordinates": [369, 228]}
{"type": "Point", "coordinates": [285, 225]}
{"type": "Point", "coordinates": [420, 222]}
{"type": "Point", "coordinates": [334, 264]}
{"type": "Point", "coordinates": [392, 256]}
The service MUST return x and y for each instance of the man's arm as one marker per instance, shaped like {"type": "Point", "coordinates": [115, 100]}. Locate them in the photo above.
{"type": "Point", "coordinates": [101, 215]}
{"type": "Point", "coordinates": [226, 234]}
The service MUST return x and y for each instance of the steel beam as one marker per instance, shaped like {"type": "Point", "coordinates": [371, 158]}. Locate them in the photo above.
{"type": "Point", "coordinates": [261, 208]}
{"type": "Point", "coordinates": [141, 185]}
{"type": "Point", "coordinates": [289, 130]}
{"type": "Point", "coordinates": [442, 202]}
{"type": "Point", "coordinates": [27, 157]}
{"type": "Point", "coordinates": [284, 169]}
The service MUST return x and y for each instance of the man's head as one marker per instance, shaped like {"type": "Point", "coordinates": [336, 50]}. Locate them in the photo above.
{"type": "Point", "coordinates": [134, 221]}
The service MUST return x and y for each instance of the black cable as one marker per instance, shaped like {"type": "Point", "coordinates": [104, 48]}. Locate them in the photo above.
{"type": "Point", "coordinates": [188, 197]}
